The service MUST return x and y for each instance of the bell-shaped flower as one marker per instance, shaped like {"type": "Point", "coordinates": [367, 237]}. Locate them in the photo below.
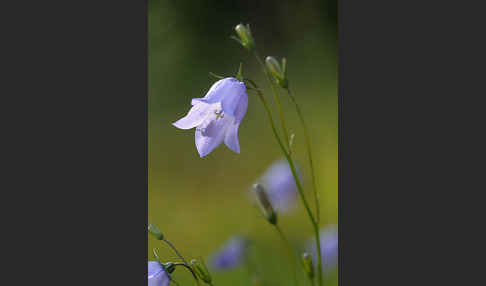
{"type": "Point", "coordinates": [217, 116]}
{"type": "Point", "coordinates": [280, 186]}
{"type": "Point", "coordinates": [329, 248]}
{"type": "Point", "coordinates": [231, 254]}
{"type": "Point", "coordinates": [157, 275]}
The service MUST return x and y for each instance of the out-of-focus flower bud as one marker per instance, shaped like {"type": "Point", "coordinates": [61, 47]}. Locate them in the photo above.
{"type": "Point", "coordinates": [231, 254]}
{"type": "Point", "coordinates": [155, 231]}
{"type": "Point", "coordinates": [279, 73]}
{"type": "Point", "coordinates": [245, 37]}
{"type": "Point", "coordinates": [308, 266]}
{"type": "Point", "coordinates": [265, 204]}
{"type": "Point", "coordinates": [201, 270]}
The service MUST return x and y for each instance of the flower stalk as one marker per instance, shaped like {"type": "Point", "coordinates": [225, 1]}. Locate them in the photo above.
{"type": "Point", "coordinates": [277, 99]}
{"type": "Point", "coordinates": [309, 152]}
{"type": "Point", "coordinates": [190, 270]}
{"type": "Point", "coordinates": [314, 222]}
{"type": "Point", "coordinates": [289, 251]}
{"type": "Point", "coordinates": [175, 250]}
{"type": "Point", "coordinates": [270, 215]}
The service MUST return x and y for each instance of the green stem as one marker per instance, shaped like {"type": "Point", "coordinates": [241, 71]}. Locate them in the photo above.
{"type": "Point", "coordinates": [319, 258]}
{"type": "Point", "coordinates": [190, 269]}
{"type": "Point", "coordinates": [316, 195]}
{"type": "Point", "coordinates": [277, 99]}
{"type": "Point", "coordinates": [299, 186]}
{"type": "Point", "coordinates": [309, 153]}
{"type": "Point", "coordinates": [175, 250]}
{"type": "Point", "coordinates": [289, 252]}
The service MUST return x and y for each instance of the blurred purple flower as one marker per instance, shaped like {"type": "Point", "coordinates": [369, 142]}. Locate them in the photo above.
{"type": "Point", "coordinates": [157, 275]}
{"type": "Point", "coordinates": [217, 116]}
{"type": "Point", "coordinates": [329, 248]}
{"type": "Point", "coordinates": [279, 183]}
{"type": "Point", "coordinates": [230, 255]}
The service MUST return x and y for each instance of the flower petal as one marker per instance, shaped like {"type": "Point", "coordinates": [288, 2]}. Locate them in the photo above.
{"type": "Point", "coordinates": [228, 91]}
{"type": "Point", "coordinates": [216, 92]}
{"type": "Point", "coordinates": [241, 108]}
{"type": "Point", "coordinates": [157, 276]}
{"type": "Point", "coordinates": [231, 138]}
{"type": "Point", "coordinates": [154, 268]}
{"type": "Point", "coordinates": [211, 134]}
{"type": "Point", "coordinates": [196, 115]}
{"type": "Point", "coordinates": [234, 97]}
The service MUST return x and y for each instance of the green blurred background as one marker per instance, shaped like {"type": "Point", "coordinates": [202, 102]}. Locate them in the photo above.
{"type": "Point", "coordinates": [199, 203]}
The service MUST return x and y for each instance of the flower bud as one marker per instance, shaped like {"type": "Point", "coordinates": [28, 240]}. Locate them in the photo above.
{"type": "Point", "coordinates": [264, 204]}
{"type": "Point", "coordinates": [308, 266]}
{"type": "Point", "coordinates": [201, 271]}
{"type": "Point", "coordinates": [245, 37]}
{"type": "Point", "coordinates": [278, 73]}
{"type": "Point", "coordinates": [155, 232]}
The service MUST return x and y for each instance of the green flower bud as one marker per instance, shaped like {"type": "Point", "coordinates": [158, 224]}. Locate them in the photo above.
{"type": "Point", "coordinates": [308, 266]}
{"type": "Point", "coordinates": [245, 37]}
{"type": "Point", "coordinates": [155, 232]}
{"type": "Point", "coordinates": [201, 270]}
{"type": "Point", "coordinates": [277, 72]}
{"type": "Point", "coordinates": [265, 204]}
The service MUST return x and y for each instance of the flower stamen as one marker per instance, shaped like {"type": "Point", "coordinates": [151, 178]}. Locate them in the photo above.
{"type": "Point", "coordinates": [219, 114]}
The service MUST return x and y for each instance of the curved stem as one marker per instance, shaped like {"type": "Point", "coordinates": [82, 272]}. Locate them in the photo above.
{"type": "Point", "coordinates": [289, 252]}
{"type": "Point", "coordinates": [316, 195]}
{"type": "Point", "coordinates": [299, 186]}
{"type": "Point", "coordinates": [319, 258]}
{"type": "Point", "coordinates": [190, 269]}
{"type": "Point", "coordinates": [175, 250]}
{"type": "Point", "coordinates": [277, 99]}
{"type": "Point", "coordinates": [309, 153]}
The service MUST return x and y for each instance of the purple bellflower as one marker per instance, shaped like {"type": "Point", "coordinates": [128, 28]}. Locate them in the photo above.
{"type": "Point", "coordinates": [217, 116]}
{"type": "Point", "coordinates": [230, 255]}
{"type": "Point", "coordinates": [280, 186]}
{"type": "Point", "coordinates": [329, 248]}
{"type": "Point", "coordinates": [157, 275]}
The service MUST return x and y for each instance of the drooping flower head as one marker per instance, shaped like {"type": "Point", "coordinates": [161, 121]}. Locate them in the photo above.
{"type": "Point", "coordinates": [217, 116]}
{"type": "Point", "coordinates": [280, 186]}
{"type": "Point", "coordinates": [157, 275]}
{"type": "Point", "coordinates": [329, 248]}
{"type": "Point", "coordinates": [230, 255]}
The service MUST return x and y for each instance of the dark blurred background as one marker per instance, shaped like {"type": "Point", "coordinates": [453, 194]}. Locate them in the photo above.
{"type": "Point", "coordinates": [199, 203]}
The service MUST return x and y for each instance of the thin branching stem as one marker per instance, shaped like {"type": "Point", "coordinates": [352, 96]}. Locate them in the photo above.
{"type": "Point", "coordinates": [190, 269]}
{"type": "Point", "coordinates": [316, 195]}
{"type": "Point", "coordinates": [289, 252]}
{"type": "Point", "coordinates": [297, 182]}
{"type": "Point", "coordinates": [309, 152]}
{"type": "Point", "coordinates": [175, 250]}
{"type": "Point", "coordinates": [277, 99]}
